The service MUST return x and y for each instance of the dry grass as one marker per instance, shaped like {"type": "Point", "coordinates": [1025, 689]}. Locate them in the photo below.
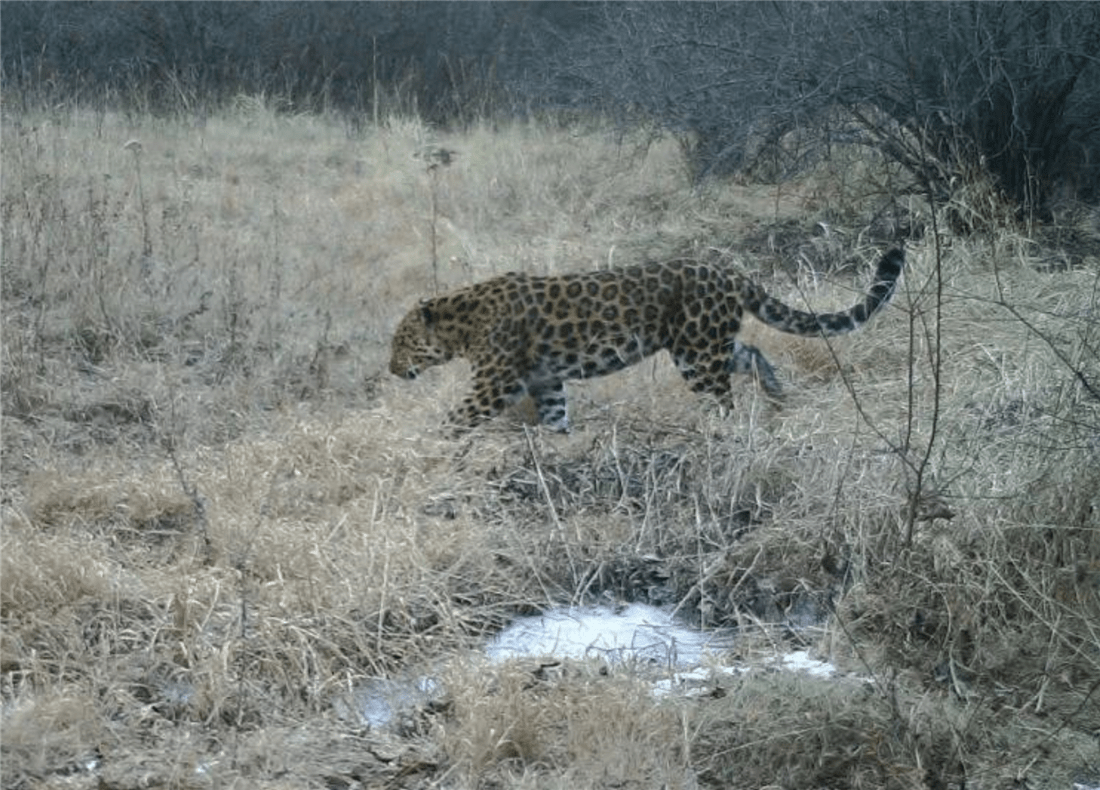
{"type": "Point", "coordinates": [221, 516]}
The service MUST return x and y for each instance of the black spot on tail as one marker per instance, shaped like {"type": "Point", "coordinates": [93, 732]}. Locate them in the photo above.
{"type": "Point", "coordinates": [886, 280]}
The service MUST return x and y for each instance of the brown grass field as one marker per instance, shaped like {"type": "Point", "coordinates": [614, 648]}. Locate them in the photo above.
{"type": "Point", "coordinates": [222, 516]}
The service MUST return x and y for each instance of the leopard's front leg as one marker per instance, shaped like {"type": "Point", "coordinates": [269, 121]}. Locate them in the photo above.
{"type": "Point", "coordinates": [492, 393]}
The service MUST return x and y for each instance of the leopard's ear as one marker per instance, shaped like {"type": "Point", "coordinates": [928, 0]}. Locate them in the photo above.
{"type": "Point", "coordinates": [426, 314]}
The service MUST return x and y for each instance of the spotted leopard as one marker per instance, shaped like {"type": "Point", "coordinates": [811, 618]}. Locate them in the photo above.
{"type": "Point", "coordinates": [527, 335]}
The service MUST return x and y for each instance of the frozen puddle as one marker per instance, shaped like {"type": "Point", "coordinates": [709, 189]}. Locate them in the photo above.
{"type": "Point", "coordinates": [630, 635]}
{"type": "Point", "coordinates": [636, 632]}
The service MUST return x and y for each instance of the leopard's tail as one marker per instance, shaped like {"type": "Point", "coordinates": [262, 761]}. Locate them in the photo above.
{"type": "Point", "coordinates": [796, 322]}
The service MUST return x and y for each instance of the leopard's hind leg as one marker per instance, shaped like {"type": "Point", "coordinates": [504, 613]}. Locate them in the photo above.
{"type": "Point", "coordinates": [552, 407]}
{"type": "Point", "coordinates": [710, 373]}
{"type": "Point", "coordinates": [748, 359]}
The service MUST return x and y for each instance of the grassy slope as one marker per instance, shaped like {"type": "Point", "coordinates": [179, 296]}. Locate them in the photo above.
{"type": "Point", "coordinates": [220, 513]}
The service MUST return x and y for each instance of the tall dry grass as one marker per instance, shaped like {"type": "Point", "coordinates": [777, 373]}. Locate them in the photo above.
{"type": "Point", "coordinates": [220, 516]}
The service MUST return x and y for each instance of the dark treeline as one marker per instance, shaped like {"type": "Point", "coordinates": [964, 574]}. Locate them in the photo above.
{"type": "Point", "coordinates": [936, 87]}
{"type": "Point", "coordinates": [442, 57]}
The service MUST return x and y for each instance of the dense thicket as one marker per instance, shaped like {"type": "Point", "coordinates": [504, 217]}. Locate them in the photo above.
{"type": "Point", "coordinates": [938, 87]}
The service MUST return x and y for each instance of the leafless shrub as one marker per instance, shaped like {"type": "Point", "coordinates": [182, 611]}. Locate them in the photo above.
{"type": "Point", "coordinates": [939, 90]}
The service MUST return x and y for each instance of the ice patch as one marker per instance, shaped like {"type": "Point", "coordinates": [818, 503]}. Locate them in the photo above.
{"type": "Point", "coordinates": [378, 702]}
{"type": "Point", "coordinates": [800, 661]}
{"type": "Point", "coordinates": [636, 632]}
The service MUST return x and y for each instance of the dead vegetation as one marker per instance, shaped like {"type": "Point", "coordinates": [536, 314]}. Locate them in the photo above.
{"type": "Point", "coordinates": [220, 517]}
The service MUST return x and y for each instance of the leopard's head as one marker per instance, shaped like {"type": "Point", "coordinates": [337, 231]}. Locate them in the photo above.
{"type": "Point", "coordinates": [418, 343]}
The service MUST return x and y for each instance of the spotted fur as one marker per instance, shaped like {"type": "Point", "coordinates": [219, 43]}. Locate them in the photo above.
{"type": "Point", "coordinates": [527, 335]}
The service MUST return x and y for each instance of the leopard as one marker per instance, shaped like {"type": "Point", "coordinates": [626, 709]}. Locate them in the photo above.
{"type": "Point", "coordinates": [526, 335]}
